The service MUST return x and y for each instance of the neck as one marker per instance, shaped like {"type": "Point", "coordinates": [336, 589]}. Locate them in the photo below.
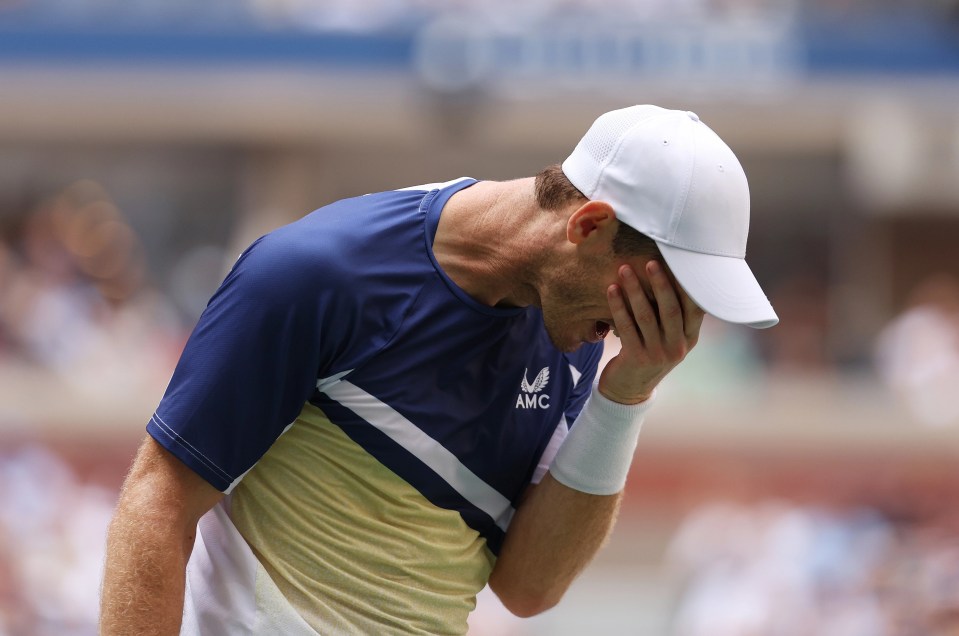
{"type": "Point", "coordinates": [491, 238]}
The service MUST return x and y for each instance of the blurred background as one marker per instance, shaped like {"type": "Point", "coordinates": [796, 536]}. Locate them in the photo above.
{"type": "Point", "coordinates": [792, 481]}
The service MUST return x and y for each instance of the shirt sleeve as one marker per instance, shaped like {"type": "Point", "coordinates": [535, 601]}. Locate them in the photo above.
{"type": "Point", "coordinates": [251, 362]}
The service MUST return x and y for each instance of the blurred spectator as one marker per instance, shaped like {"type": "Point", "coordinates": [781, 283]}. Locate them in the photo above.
{"type": "Point", "coordinates": [917, 354]}
{"type": "Point", "coordinates": [52, 529]}
{"type": "Point", "coordinates": [76, 309]}
{"type": "Point", "coordinates": [75, 300]}
{"type": "Point", "coordinates": [779, 569]}
{"type": "Point", "coordinates": [7, 272]}
{"type": "Point", "coordinates": [798, 344]}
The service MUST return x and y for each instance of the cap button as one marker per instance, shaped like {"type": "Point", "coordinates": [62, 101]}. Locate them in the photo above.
{"type": "Point", "coordinates": [692, 115]}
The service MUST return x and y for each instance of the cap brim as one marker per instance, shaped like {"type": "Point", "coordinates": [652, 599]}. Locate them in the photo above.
{"type": "Point", "coordinates": [722, 286]}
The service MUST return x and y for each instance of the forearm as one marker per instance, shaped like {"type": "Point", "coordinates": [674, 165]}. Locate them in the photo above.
{"type": "Point", "coordinates": [551, 539]}
{"type": "Point", "coordinates": [564, 521]}
{"type": "Point", "coordinates": [144, 576]}
{"type": "Point", "coordinates": [149, 543]}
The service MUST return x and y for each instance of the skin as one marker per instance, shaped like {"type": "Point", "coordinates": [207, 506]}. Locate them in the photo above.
{"type": "Point", "coordinates": [502, 249]}
{"type": "Point", "coordinates": [149, 542]}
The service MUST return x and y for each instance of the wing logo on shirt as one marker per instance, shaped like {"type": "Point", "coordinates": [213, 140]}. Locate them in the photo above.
{"type": "Point", "coordinates": [530, 396]}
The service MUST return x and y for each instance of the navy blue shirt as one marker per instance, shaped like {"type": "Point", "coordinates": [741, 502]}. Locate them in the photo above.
{"type": "Point", "coordinates": [352, 296]}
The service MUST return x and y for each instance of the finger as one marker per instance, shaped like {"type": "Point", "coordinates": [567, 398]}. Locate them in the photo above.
{"type": "Point", "coordinates": [626, 328]}
{"type": "Point", "coordinates": [692, 315]}
{"type": "Point", "coordinates": [644, 315]}
{"type": "Point", "coordinates": [670, 310]}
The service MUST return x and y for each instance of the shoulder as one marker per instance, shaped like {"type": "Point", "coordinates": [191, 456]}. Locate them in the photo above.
{"type": "Point", "coordinates": [341, 243]}
{"type": "Point", "coordinates": [440, 185]}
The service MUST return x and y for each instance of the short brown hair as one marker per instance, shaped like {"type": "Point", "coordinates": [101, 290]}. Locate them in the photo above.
{"type": "Point", "coordinates": [554, 191]}
{"type": "Point", "coordinates": [631, 242]}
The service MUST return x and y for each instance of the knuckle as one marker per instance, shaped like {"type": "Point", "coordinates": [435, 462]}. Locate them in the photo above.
{"type": "Point", "coordinates": [673, 312]}
{"type": "Point", "coordinates": [678, 353]}
{"type": "Point", "coordinates": [645, 316]}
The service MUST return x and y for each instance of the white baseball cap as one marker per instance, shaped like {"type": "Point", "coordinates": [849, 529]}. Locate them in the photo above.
{"type": "Point", "coordinates": [669, 176]}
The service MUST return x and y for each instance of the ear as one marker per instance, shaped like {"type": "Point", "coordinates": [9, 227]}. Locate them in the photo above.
{"type": "Point", "coordinates": [591, 222]}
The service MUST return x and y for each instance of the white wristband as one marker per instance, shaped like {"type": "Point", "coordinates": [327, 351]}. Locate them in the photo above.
{"type": "Point", "coordinates": [596, 455]}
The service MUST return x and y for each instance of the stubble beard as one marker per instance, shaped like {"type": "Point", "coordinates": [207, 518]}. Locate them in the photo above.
{"type": "Point", "coordinates": [566, 345]}
{"type": "Point", "coordinates": [565, 293]}
{"type": "Point", "coordinates": [558, 313]}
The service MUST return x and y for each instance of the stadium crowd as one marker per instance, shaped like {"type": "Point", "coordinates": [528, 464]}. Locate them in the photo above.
{"type": "Point", "coordinates": [778, 568]}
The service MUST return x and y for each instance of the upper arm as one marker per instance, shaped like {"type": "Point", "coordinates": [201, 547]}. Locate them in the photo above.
{"type": "Point", "coordinates": [162, 487]}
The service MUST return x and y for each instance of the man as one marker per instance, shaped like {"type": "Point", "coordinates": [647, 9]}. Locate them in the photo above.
{"type": "Point", "coordinates": [393, 401]}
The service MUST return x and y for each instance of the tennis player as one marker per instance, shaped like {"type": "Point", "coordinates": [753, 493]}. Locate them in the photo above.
{"type": "Point", "coordinates": [395, 400]}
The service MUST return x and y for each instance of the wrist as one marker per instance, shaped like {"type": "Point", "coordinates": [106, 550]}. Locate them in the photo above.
{"type": "Point", "coordinates": [624, 392]}
{"type": "Point", "coordinates": [596, 455]}
{"type": "Point", "coordinates": [628, 400]}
